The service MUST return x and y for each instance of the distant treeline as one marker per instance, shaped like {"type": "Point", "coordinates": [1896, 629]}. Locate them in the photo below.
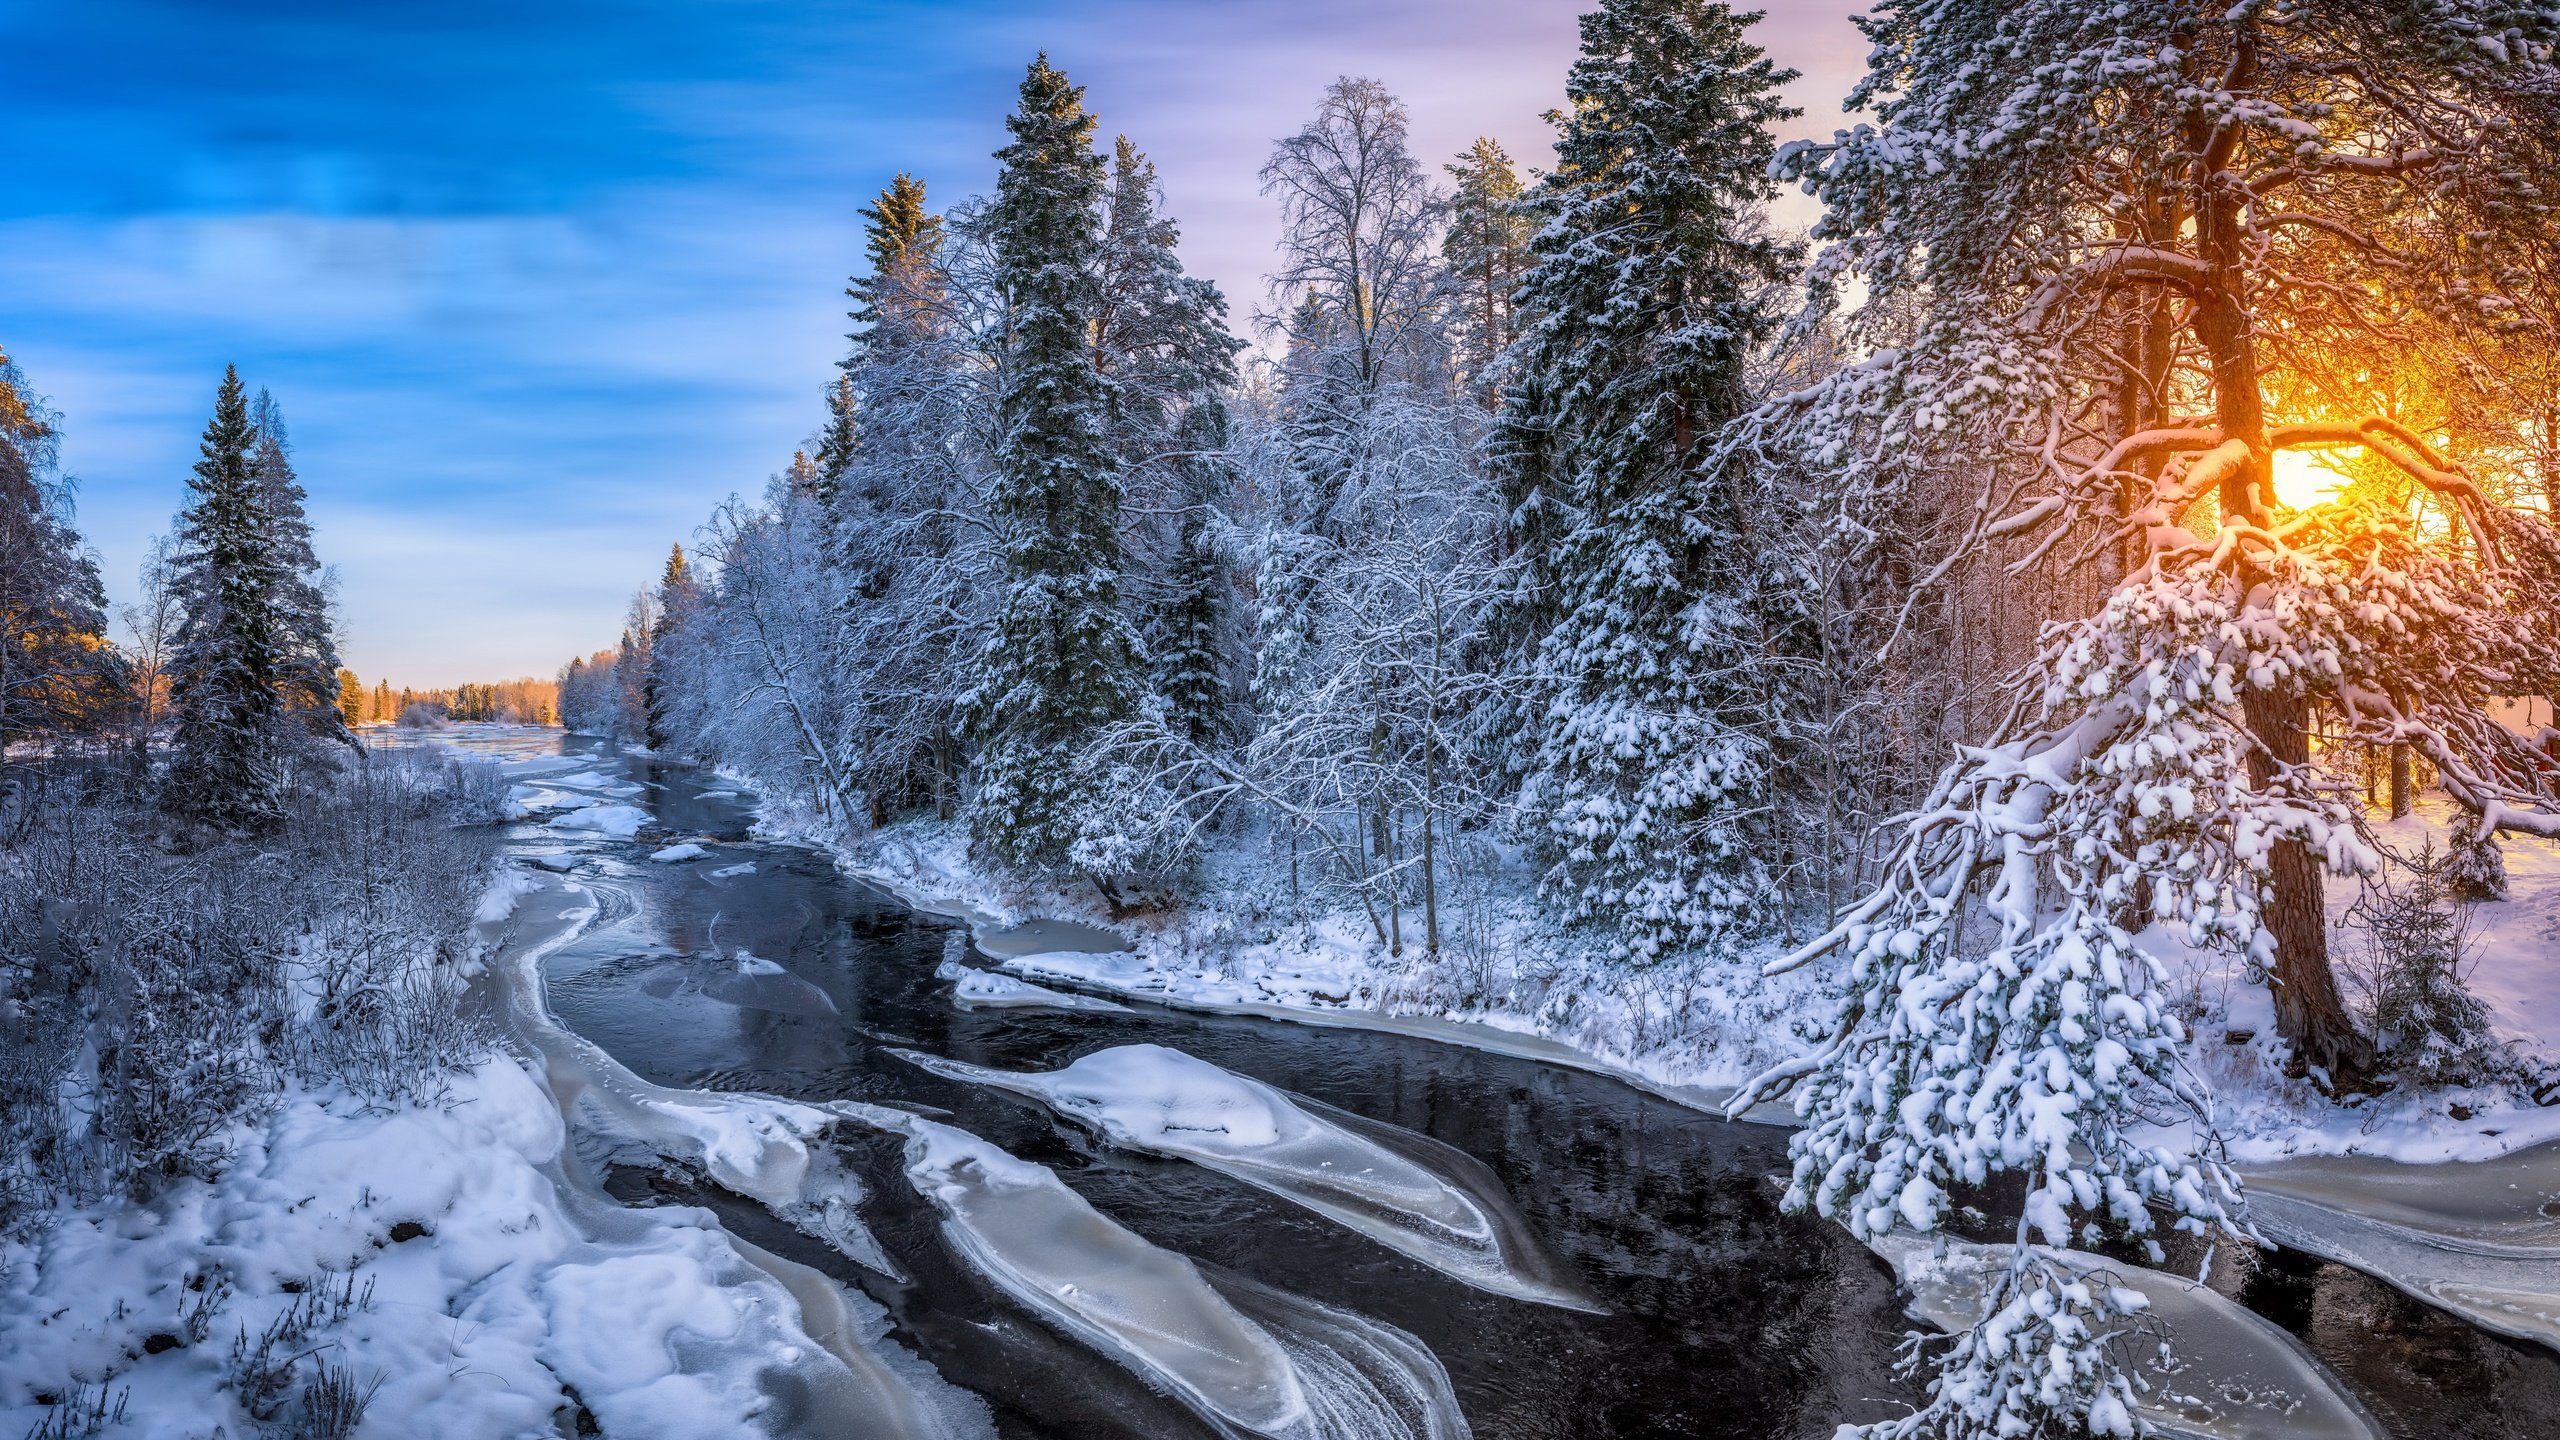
{"type": "Point", "coordinates": [522, 701]}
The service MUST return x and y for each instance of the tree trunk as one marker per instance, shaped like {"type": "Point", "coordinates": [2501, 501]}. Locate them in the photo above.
{"type": "Point", "coordinates": [2310, 1014]}
{"type": "Point", "coordinates": [2400, 797]}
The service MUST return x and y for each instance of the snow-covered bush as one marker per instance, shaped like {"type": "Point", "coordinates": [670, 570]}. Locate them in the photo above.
{"type": "Point", "coordinates": [151, 1000]}
{"type": "Point", "coordinates": [2428, 1027]}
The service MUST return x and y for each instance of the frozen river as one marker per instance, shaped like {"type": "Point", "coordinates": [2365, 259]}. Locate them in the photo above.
{"type": "Point", "coordinates": [1578, 1258]}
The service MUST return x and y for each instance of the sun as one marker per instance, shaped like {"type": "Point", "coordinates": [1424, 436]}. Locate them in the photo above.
{"type": "Point", "coordinates": [2302, 481]}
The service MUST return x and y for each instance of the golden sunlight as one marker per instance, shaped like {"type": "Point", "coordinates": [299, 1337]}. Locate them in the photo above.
{"type": "Point", "coordinates": [2302, 481]}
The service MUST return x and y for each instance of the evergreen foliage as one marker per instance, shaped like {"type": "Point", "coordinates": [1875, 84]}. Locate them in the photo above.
{"type": "Point", "coordinates": [307, 666]}
{"type": "Point", "coordinates": [1486, 251]}
{"type": "Point", "coordinates": [1648, 293]}
{"type": "Point", "coordinates": [1064, 661]}
{"type": "Point", "coordinates": [233, 648]}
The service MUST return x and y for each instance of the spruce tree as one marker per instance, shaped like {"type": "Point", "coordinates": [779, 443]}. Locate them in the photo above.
{"type": "Point", "coordinates": [231, 647]}
{"type": "Point", "coordinates": [674, 601]}
{"type": "Point", "coordinates": [384, 708]}
{"type": "Point", "coordinates": [1194, 621]}
{"type": "Point", "coordinates": [350, 699]}
{"type": "Point", "coordinates": [1486, 251]}
{"type": "Point", "coordinates": [902, 238]}
{"type": "Point", "coordinates": [1063, 663]}
{"type": "Point", "coordinates": [1646, 294]}
{"type": "Point", "coordinates": [837, 445]}
{"type": "Point", "coordinates": [307, 667]}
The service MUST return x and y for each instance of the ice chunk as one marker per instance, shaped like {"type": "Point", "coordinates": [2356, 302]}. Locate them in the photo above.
{"type": "Point", "coordinates": [727, 872]}
{"type": "Point", "coordinates": [2513, 1290]}
{"type": "Point", "coordinates": [2231, 1375]}
{"type": "Point", "coordinates": [620, 821]}
{"type": "Point", "coordinates": [674, 853]}
{"type": "Point", "coordinates": [2479, 1238]}
{"type": "Point", "coordinates": [974, 989]}
{"type": "Point", "coordinates": [556, 864]}
{"type": "Point", "coordinates": [1247, 1358]}
{"type": "Point", "coordinates": [1037, 937]}
{"type": "Point", "coordinates": [1022, 1228]}
{"type": "Point", "coordinates": [1150, 1098]}
{"type": "Point", "coordinates": [754, 1145]}
{"type": "Point", "coordinates": [752, 982]}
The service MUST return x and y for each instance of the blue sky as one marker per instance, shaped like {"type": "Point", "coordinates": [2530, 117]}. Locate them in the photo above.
{"type": "Point", "coordinates": [539, 282]}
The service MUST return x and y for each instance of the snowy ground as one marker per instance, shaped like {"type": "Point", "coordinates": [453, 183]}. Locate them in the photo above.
{"type": "Point", "coordinates": [431, 1254]}
{"type": "Point", "coordinates": [1692, 1028]}
{"type": "Point", "coordinates": [450, 1262]}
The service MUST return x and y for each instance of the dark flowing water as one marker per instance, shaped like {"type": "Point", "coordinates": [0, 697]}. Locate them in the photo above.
{"type": "Point", "coordinates": [1726, 1318]}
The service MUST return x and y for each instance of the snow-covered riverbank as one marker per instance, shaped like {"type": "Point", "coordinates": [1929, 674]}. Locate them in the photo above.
{"type": "Point", "coordinates": [1693, 1028]}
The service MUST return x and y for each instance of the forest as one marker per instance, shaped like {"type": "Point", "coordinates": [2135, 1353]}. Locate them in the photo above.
{"type": "Point", "coordinates": [2042, 674]}
{"type": "Point", "coordinates": [2146, 461]}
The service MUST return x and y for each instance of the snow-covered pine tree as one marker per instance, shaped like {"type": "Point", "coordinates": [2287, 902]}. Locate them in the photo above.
{"type": "Point", "coordinates": [1064, 662]}
{"type": "Point", "coordinates": [307, 671]}
{"type": "Point", "coordinates": [915, 568]}
{"type": "Point", "coordinates": [1195, 643]}
{"type": "Point", "coordinates": [232, 647]}
{"type": "Point", "coordinates": [902, 238]}
{"type": "Point", "coordinates": [838, 444]}
{"type": "Point", "coordinates": [1486, 252]}
{"type": "Point", "coordinates": [2099, 243]}
{"type": "Point", "coordinates": [57, 671]}
{"type": "Point", "coordinates": [1161, 342]}
{"type": "Point", "coordinates": [1648, 291]}
{"type": "Point", "coordinates": [675, 599]}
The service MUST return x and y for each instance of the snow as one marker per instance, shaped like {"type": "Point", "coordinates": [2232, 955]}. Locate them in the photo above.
{"type": "Point", "coordinates": [480, 1274]}
{"type": "Point", "coordinates": [2269, 1119]}
{"type": "Point", "coordinates": [620, 821]}
{"type": "Point", "coordinates": [673, 853]}
{"type": "Point", "coordinates": [973, 989]}
{"type": "Point", "coordinates": [1162, 1101]}
{"type": "Point", "coordinates": [1294, 1369]}
{"type": "Point", "coordinates": [731, 872]}
{"type": "Point", "coordinates": [2234, 1376]}
{"type": "Point", "coordinates": [505, 889]}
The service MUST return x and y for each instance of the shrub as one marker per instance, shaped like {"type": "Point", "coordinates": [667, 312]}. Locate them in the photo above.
{"type": "Point", "coordinates": [2428, 1026]}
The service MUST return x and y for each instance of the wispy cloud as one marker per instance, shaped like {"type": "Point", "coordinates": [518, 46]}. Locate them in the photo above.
{"type": "Point", "coordinates": [539, 285]}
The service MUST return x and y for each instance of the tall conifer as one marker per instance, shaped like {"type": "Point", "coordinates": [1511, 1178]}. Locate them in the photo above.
{"type": "Point", "coordinates": [56, 667]}
{"type": "Point", "coordinates": [1063, 662]}
{"type": "Point", "coordinates": [307, 662]}
{"type": "Point", "coordinates": [231, 646]}
{"type": "Point", "coordinates": [1646, 296]}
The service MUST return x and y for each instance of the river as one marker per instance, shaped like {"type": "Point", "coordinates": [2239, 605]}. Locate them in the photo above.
{"type": "Point", "coordinates": [1720, 1315]}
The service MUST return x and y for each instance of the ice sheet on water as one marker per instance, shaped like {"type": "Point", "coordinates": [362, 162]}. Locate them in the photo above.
{"type": "Point", "coordinates": [527, 800]}
{"type": "Point", "coordinates": [1022, 1228]}
{"type": "Point", "coordinates": [673, 853]}
{"type": "Point", "coordinates": [2480, 1238]}
{"type": "Point", "coordinates": [974, 989]}
{"type": "Point", "coordinates": [1247, 1358]}
{"type": "Point", "coordinates": [2513, 1290]}
{"type": "Point", "coordinates": [754, 1145]}
{"type": "Point", "coordinates": [2230, 1375]}
{"type": "Point", "coordinates": [620, 821]}
{"type": "Point", "coordinates": [1155, 1099]}
{"type": "Point", "coordinates": [2513, 1200]}
{"type": "Point", "coordinates": [731, 872]}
